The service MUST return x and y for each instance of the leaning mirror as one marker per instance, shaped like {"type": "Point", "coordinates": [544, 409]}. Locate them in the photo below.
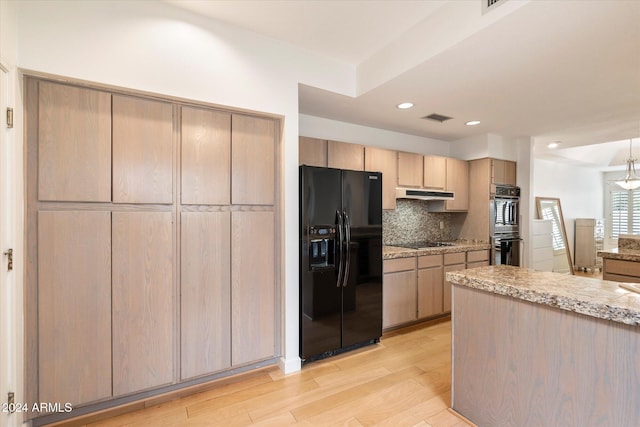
{"type": "Point", "coordinates": [549, 208]}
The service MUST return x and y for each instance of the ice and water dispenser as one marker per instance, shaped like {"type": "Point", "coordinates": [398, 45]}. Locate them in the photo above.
{"type": "Point", "coordinates": [322, 246]}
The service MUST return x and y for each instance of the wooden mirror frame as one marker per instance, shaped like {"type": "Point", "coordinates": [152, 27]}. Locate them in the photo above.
{"type": "Point", "coordinates": [562, 227]}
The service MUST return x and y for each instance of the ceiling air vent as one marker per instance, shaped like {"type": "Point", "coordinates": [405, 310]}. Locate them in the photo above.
{"type": "Point", "coordinates": [489, 5]}
{"type": "Point", "coordinates": [437, 117]}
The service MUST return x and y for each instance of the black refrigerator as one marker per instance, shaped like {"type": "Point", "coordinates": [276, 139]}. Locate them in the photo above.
{"type": "Point", "coordinates": [340, 260]}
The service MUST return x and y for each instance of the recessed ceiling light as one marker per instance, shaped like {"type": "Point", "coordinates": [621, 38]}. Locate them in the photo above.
{"type": "Point", "coordinates": [553, 144]}
{"type": "Point", "coordinates": [405, 105]}
{"type": "Point", "coordinates": [473, 123]}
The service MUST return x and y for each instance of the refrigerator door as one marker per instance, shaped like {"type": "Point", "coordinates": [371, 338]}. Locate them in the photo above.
{"type": "Point", "coordinates": [362, 287]}
{"type": "Point", "coordinates": [320, 293]}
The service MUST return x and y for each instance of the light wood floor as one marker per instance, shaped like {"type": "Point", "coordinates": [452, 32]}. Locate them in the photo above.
{"type": "Point", "coordinates": [403, 381]}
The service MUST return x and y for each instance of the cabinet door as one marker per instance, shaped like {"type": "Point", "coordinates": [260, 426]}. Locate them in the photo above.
{"type": "Point", "coordinates": [142, 151]}
{"type": "Point", "coordinates": [74, 144]}
{"type": "Point", "coordinates": [435, 172]}
{"type": "Point", "coordinates": [206, 157]}
{"type": "Point", "coordinates": [385, 161]}
{"type": "Point", "coordinates": [458, 182]}
{"type": "Point", "coordinates": [341, 155]}
{"type": "Point", "coordinates": [74, 306]}
{"type": "Point", "coordinates": [252, 160]}
{"type": "Point", "coordinates": [503, 172]}
{"type": "Point", "coordinates": [143, 302]}
{"type": "Point", "coordinates": [312, 152]}
{"type": "Point", "coordinates": [252, 286]}
{"type": "Point", "coordinates": [399, 298]}
{"type": "Point", "coordinates": [205, 297]}
{"type": "Point", "coordinates": [410, 167]}
{"type": "Point", "coordinates": [446, 299]}
{"type": "Point", "coordinates": [430, 292]}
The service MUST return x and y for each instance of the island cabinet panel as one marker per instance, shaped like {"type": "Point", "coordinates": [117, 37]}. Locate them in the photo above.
{"type": "Point", "coordinates": [205, 293]}
{"type": "Point", "coordinates": [206, 157]}
{"type": "Point", "coordinates": [312, 151]}
{"type": "Point", "coordinates": [385, 161]}
{"type": "Point", "coordinates": [74, 144]}
{"type": "Point", "coordinates": [430, 285]}
{"type": "Point", "coordinates": [452, 262]}
{"type": "Point", "coordinates": [410, 169]}
{"type": "Point", "coordinates": [252, 286]}
{"type": "Point", "coordinates": [536, 365]}
{"type": "Point", "coordinates": [252, 160]}
{"type": "Point", "coordinates": [435, 172]}
{"type": "Point", "coordinates": [142, 150]}
{"type": "Point", "coordinates": [74, 306]}
{"type": "Point", "coordinates": [143, 301]}
{"type": "Point", "coordinates": [342, 155]}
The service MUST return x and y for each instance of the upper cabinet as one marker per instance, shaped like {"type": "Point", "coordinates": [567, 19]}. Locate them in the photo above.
{"type": "Point", "coordinates": [503, 172]}
{"type": "Point", "coordinates": [312, 152]}
{"type": "Point", "coordinates": [142, 150]}
{"type": "Point", "coordinates": [252, 161]}
{"type": "Point", "coordinates": [74, 151]}
{"type": "Point", "coordinates": [410, 169]}
{"type": "Point", "coordinates": [385, 161]}
{"type": "Point", "coordinates": [435, 172]}
{"type": "Point", "coordinates": [458, 183]}
{"type": "Point", "coordinates": [341, 155]}
{"type": "Point", "coordinates": [206, 157]}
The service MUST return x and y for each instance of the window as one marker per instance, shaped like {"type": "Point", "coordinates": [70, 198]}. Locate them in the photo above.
{"type": "Point", "coordinates": [624, 212]}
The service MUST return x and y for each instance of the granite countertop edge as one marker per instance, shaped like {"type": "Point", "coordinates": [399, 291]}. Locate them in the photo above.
{"type": "Point", "coordinates": [620, 254]}
{"type": "Point", "coordinates": [591, 297]}
{"type": "Point", "coordinates": [395, 252]}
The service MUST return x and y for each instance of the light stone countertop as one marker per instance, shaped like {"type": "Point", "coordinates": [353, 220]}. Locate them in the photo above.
{"type": "Point", "coordinates": [621, 254]}
{"type": "Point", "coordinates": [592, 297]}
{"type": "Point", "coordinates": [394, 252]}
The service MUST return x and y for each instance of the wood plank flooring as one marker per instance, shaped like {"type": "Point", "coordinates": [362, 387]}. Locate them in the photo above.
{"type": "Point", "coordinates": [405, 380]}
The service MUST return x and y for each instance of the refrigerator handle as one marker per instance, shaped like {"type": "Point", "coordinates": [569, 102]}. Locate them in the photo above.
{"type": "Point", "coordinates": [339, 229]}
{"type": "Point", "coordinates": [347, 227]}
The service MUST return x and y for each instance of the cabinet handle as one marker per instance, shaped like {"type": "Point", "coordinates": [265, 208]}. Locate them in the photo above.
{"type": "Point", "coordinates": [9, 254]}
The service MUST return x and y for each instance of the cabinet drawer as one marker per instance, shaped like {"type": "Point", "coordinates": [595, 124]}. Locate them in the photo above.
{"type": "Point", "coordinates": [620, 278]}
{"type": "Point", "coordinates": [455, 258]}
{"type": "Point", "coordinates": [399, 264]}
{"type": "Point", "coordinates": [427, 261]}
{"type": "Point", "coordinates": [625, 268]}
{"type": "Point", "coordinates": [476, 256]}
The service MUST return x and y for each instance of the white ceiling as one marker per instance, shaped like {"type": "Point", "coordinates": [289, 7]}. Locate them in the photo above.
{"type": "Point", "coordinates": [564, 71]}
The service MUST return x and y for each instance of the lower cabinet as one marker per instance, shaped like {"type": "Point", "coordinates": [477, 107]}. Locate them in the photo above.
{"type": "Point", "coordinates": [399, 292]}
{"type": "Point", "coordinates": [478, 258]}
{"type": "Point", "coordinates": [430, 285]}
{"type": "Point", "coordinates": [452, 262]}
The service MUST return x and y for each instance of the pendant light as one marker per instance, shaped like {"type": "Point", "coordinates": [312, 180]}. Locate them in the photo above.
{"type": "Point", "coordinates": [631, 180]}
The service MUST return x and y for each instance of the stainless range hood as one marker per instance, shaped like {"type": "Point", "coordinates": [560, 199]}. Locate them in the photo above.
{"type": "Point", "coordinates": [422, 194]}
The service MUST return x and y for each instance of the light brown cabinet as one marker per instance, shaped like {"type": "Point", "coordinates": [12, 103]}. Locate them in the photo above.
{"type": "Point", "coordinates": [104, 274]}
{"type": "Point", "coordinates": [503, 172]}
{"type": "Point", "coordinates": [252, 286]}
{"type": "Point", "coordinates": [430, 285]}
{"type": "Point", "coordinates": [142, 150]}
{"type": "Point", "coordinates": [74, 158]}
{"type": "Point", "coordinates": [452, 262]}
{"type": "Point", "coordinates": [435, 172]}
{"type": "Point", "coordinates": [341, 155]}
{"type": "Point", "coordinates": [478, 258]}
{"type": "Point", "coordinates": [312, 151]}
{"type": "Point", "coordinates": [142, 300]}
{"type": "Point", "coordinates": [621, 270]}
{"type": "Point", "coordinates": [252, 160]}
{"type": "Point", "coordinates": [205, 157]}
{"type": "Point", "coordinates": [458, 183]}
{"type": "Point", "coordinates": [205, 293]}
{"type": "Point", "coordinates": [74, 313]}
{"type": "Point", "coordinates": [410, 169]}
{"type": "Point", "coordinates": [385, 161]}
{"type": "Point", "coordinates": [399, 290]}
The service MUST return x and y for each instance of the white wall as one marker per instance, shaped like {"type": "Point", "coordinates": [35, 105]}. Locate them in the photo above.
{"type": "Point", "coordinates": [579, 189]}
{"type": "Point", "coordinates": [318, 127]}
{"type": "Point", "coordinates": [155, 47]}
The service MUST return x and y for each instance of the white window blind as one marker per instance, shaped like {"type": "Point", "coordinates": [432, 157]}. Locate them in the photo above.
{"type": "Point", "coordinates": [625, 212]}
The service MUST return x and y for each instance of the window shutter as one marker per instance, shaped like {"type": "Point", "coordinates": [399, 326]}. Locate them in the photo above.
{"type": "Point", "coordinates": [635, 211]}
{"type": "Point", "coordinates": [620, 213]}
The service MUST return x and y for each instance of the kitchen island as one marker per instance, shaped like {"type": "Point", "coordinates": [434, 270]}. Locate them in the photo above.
{"type": "Point", "coordinates": [544, 349]}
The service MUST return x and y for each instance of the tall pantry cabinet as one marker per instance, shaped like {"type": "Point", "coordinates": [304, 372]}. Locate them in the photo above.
{"type": "Point", "coordinates": [151, 243]}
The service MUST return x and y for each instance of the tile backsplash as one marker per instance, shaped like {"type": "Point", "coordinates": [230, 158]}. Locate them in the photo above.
{"type": "Point", "coordinates": [411, 221]}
